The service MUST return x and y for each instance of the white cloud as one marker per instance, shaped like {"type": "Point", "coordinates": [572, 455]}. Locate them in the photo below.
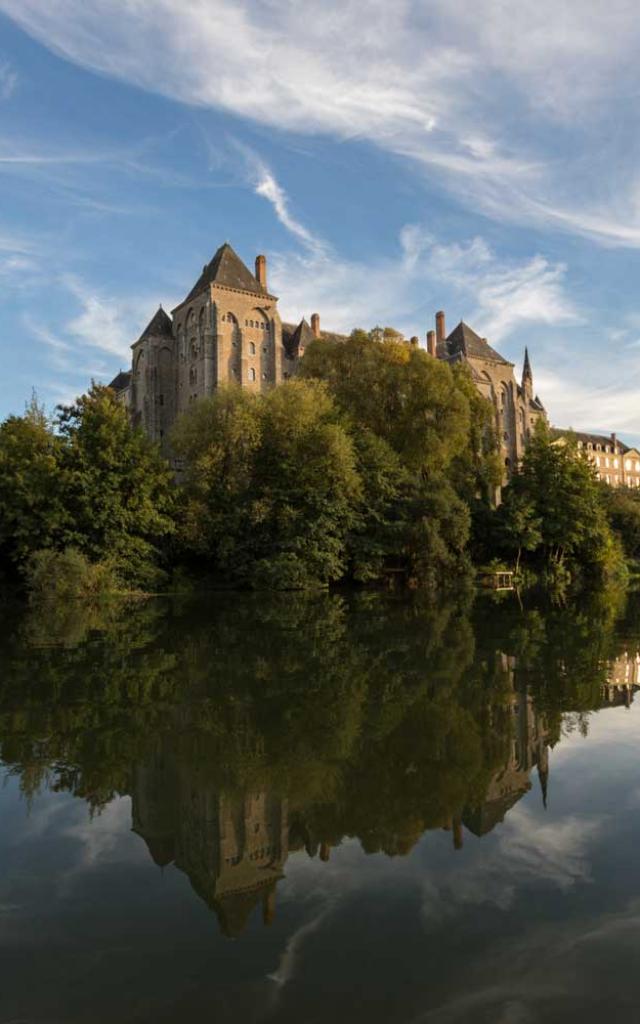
{"type": "Point", "coordinates": [8, 80]}
{"type": "Point", "coordinates": [264, 184]}
{"type": "Point", "coordinates": [498, 296]}
{"type": "Point", "coordinates": [504, 104]}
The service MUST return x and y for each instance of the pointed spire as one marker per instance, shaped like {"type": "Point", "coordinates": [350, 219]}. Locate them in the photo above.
{"type": "Point", "coordinates": [543, 776]}
{"type": "Point", "coordinates": [526, 370]}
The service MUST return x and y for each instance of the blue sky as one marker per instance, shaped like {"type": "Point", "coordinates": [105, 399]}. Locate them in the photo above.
{"type": "Point", "coordinates": [390, 160]}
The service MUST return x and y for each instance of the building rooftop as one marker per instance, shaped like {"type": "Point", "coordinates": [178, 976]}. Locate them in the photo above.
{"type": "Point", "coordinates": [463, 340]}
{"type": "Point", "coordinates": [121, 381]}
{"type": "Point", "coordinates": [227, 270]}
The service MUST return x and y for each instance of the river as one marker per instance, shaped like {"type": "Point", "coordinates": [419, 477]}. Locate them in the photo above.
{"type": "Point", "coordinates": [312, 808]}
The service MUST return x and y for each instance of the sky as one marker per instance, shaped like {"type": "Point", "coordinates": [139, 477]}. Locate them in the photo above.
{"type": "Point", "coordinates": [390, 159]}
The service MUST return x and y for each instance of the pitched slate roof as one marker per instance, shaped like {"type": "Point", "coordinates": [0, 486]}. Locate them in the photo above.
{"type": "Point", "coordinates": [159, 326]}
{"type": "Point", "coordinates": [293, 333]}
{"type": "Point", "coordinates": [463, 340]}
{"type": "Point", "coordinates": [303, 335]}
{"type": "Point", "coordinates": [594, 439]}
{"type": "Point", "coordinates": [226, 269]}
{"type": "Point", "coordinates": [121, 381]}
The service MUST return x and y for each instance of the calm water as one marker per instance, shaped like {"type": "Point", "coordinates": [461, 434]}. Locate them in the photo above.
{"type": "Point", "coordinates": [320, 809]}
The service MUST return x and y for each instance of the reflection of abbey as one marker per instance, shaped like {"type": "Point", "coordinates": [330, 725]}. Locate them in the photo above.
{"type": "Point", "coordinates": [234, 846]}
{"type": "Point", "coordinates": [228, 329]}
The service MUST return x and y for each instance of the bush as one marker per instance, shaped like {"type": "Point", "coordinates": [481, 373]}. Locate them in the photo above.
{"type": "Point", "coordinates": [63, 575]}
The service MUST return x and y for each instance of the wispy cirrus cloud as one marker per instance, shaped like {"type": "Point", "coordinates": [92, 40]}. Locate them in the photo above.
{"type": "Point", "coordinates": [8, 80]}
{"type": "Point", "coordinates": [264, 183]}
{"type": "Point", "coordinates": [504, 105]}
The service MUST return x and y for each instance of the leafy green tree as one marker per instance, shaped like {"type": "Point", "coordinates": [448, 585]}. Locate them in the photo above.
{"type": "Point", "coordinates": [271, 484]}
{"type": "Point", "coordinates": [397, 391]}
{"type": "Point", "coordinates": [33, 510]}
{"type": "Point", "coordinates": [556, 491]}
{"type": "Point", "coordinates": [118, 489]}
{"type": "Point", "coordinates": [623, 511]}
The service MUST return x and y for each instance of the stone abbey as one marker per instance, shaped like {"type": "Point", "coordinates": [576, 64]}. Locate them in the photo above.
{"type": "Point", "coordinates": [228, 330]}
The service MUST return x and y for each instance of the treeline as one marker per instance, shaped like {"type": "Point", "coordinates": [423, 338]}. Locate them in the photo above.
{"type": "Point", "coordinates": [376, 463]}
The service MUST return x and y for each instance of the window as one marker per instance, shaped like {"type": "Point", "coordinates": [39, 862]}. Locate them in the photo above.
{"type": "Point", "coordinates": [615, 463]}
{"type": "Point", "coordinates": [264, 376]}
{"type": "Point", "coordinates": [264, 348]}
{"type": "Point", "coordinates": [160, 399]}
{"type": "Point", "coordinates": [252, 349]}
{"type": "Point", "coordinates": [252, 373]}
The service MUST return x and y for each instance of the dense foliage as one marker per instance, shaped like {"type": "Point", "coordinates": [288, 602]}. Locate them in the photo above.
{"type": "Point", "coordinates": [555, 512]}
{"type": "Point", "coordinates": [86, 489]}
{"type": "Point", "coordinates": [378, 463]}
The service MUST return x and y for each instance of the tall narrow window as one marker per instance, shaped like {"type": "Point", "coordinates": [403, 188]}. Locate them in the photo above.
{"type": "Point", "coordinates": [252, 373]}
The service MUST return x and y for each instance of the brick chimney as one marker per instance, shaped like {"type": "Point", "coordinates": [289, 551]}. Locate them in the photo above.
{"type": "Point", "coordinates": [315, 325]}
{"type": "Point", "coordinates": [431, 343]}
{"type": "Point", "coordinates": [261, 271]}
{"type": "Point", "coordinates": [441, 332]}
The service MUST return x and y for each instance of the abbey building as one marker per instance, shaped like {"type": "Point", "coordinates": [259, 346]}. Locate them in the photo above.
{"type": "Point", "coordinates": [228, 329]}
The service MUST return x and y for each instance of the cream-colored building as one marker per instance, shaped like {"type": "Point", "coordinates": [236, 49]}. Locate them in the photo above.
{"type": "Point", "coordinates": [615, 463]}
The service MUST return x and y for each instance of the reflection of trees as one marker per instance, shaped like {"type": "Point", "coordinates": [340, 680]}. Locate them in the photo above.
{"type": "Point", "coordinates": [248, 726]}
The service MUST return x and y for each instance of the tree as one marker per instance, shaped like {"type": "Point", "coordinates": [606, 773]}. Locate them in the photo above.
{"type": "Point", "coordinates": [118, 490]}
{"type": "Point", "coordinates": [33, 511]}
{"type": "Point", "coordinates": [623, 510]}
{"type": "Point", "coordinates": [271, 484]}
{"type": "Point", "coordinates": [556, 492]}
{"type": "Point", "coordinates": [397, 391]}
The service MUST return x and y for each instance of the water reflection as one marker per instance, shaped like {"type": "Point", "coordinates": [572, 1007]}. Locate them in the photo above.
{"type": "Point", "coordinates": [247, 728]}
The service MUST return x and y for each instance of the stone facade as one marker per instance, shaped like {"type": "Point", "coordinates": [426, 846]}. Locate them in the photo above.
{"type": "Point", "coordinates": [227, 329]}
{"type": "Point", "coordinates": [516, 409]}
{"type": "Point", "coordinates": [614, 462]}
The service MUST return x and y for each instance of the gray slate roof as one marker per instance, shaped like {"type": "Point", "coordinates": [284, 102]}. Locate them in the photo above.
{"type": "Point", "coordinates": [603, 439]}
{"type": "Point", "coordinates": [121, 381]}
{"type": "Point", "coordinates": [464, 341]}
{"type": "Point", "coordinates": [159, 326]}
{"type": "Point", "coordinates": [292, 334]}
{"type": "Point", "coordinates": [226, 269]}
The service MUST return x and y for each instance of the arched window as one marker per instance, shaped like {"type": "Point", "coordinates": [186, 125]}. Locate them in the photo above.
{"type": "Point", "coordinates": [201, 323]}
{"type": "Point", "coordinates": [252, 373]}
{"type": "Point", "coordinates": [252, 349]}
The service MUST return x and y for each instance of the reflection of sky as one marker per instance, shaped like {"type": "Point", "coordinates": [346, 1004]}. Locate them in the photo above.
{"type": "Point", "coordinates": [536, 921]}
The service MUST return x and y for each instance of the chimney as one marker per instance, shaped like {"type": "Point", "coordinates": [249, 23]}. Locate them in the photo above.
{"type": "Point", "coordinates": [315, 325]}
{"type": "Point", "coordinates": [261, 271]}
{"type": "Point", "coordinates": [615, 443]}
{"type": "Point", "coordinates": [431, 343]}
{"type": "Point", "coordinates": [441, 333]}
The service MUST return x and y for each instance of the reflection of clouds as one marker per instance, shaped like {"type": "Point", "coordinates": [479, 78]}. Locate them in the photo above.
{"type": "Point", "coordinates": [526, 850]}
{"type": "Point", "coordinates": [287, 965]}
{"type": "Point", "coordinates": [617, 728]}
{"type": "Point", "coordinates": [103, 838]}
{"type": "Point", "coordinates": [556, 972]}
